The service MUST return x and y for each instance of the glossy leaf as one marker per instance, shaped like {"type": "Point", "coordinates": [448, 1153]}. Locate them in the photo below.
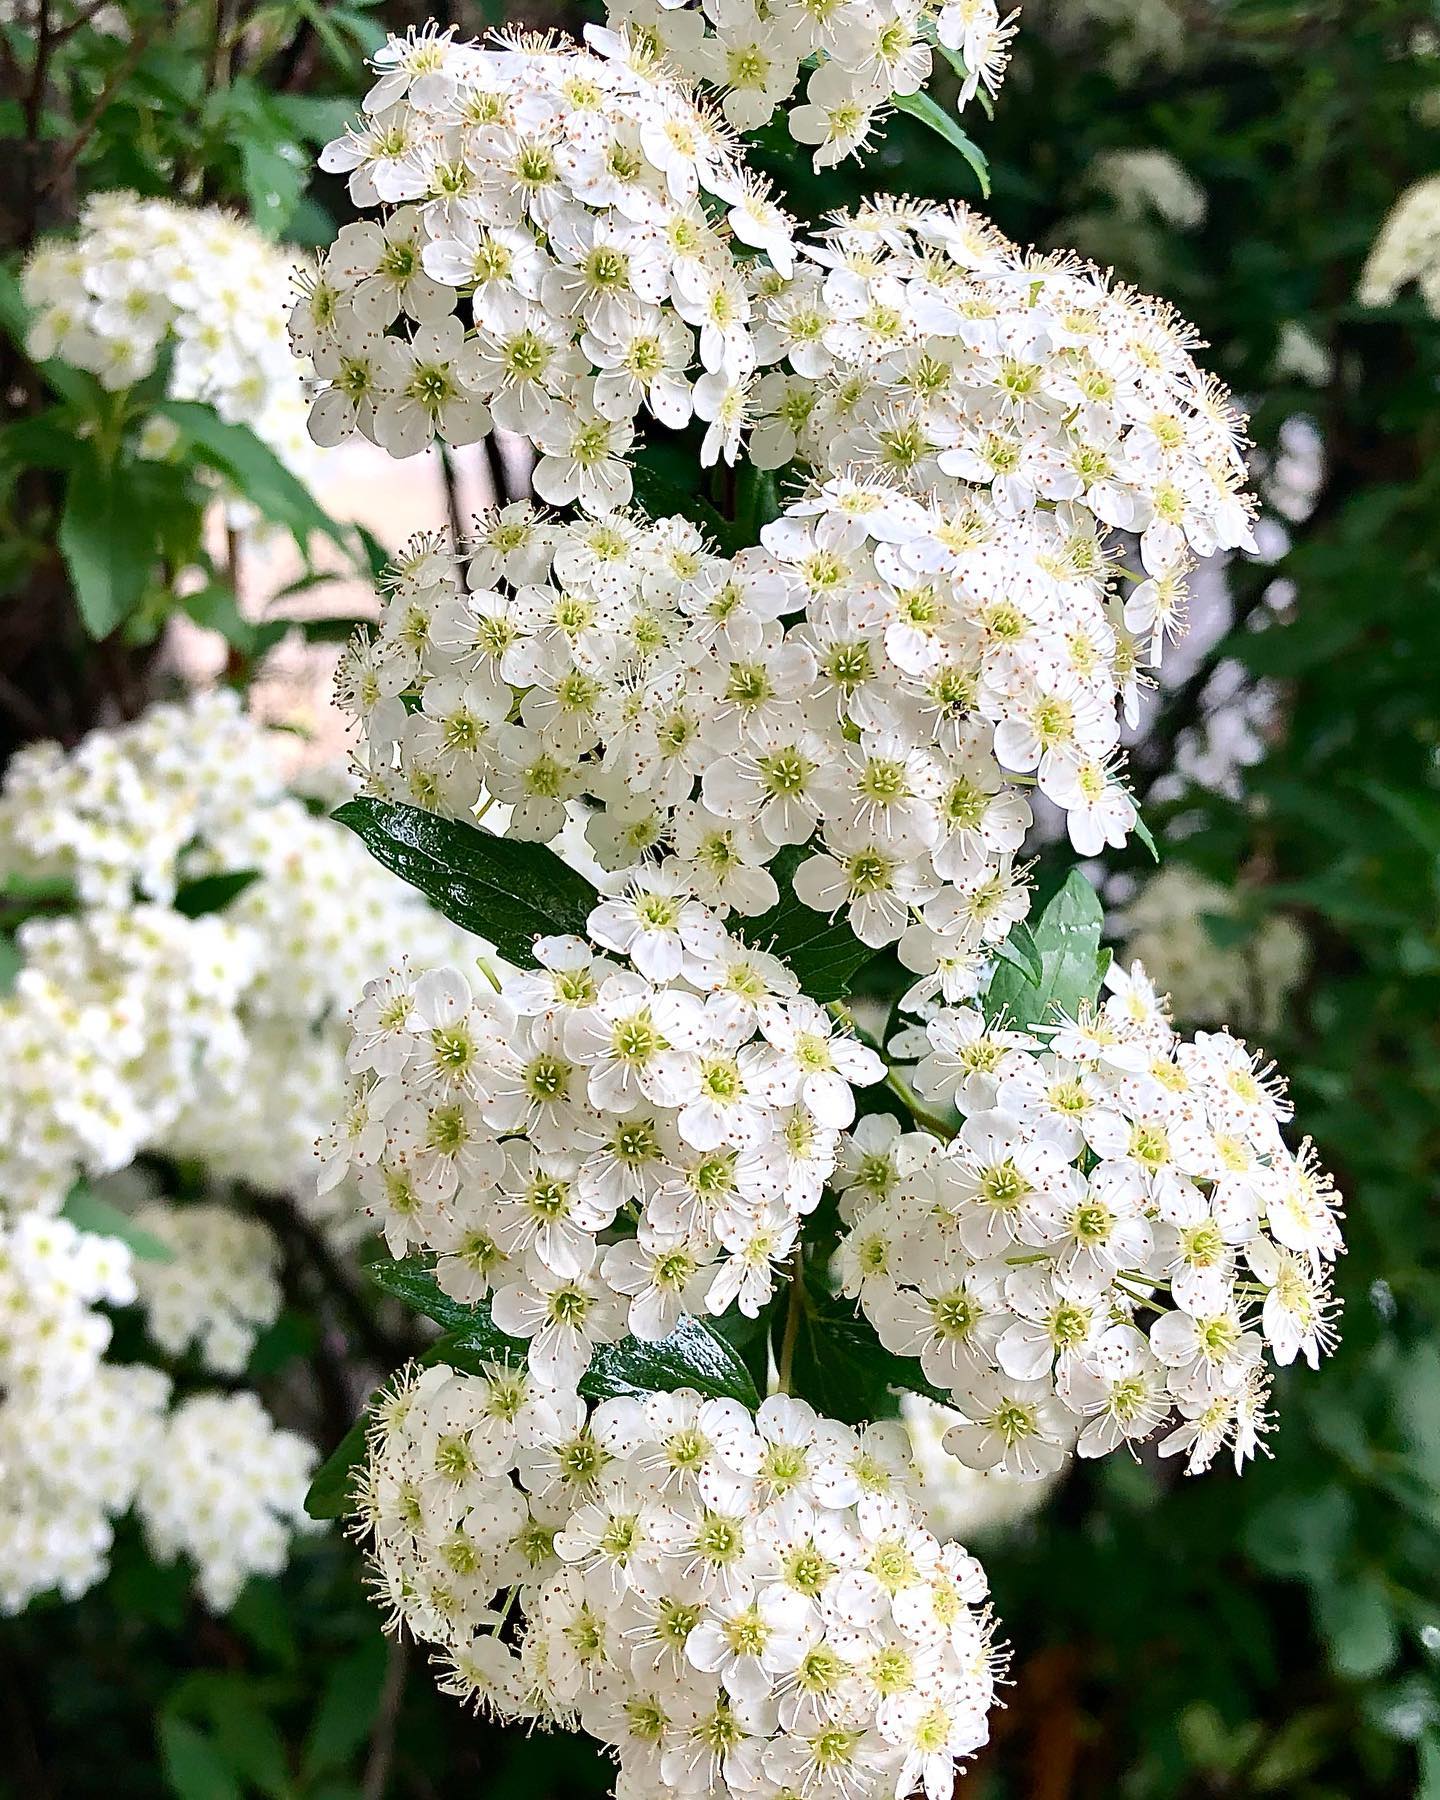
{"type": "Point", "coordinates": [1067, 941]}
{"type": "Point", "coordinates": [503, 890]}
{"type": "Point", "coordinates": [824, 953]}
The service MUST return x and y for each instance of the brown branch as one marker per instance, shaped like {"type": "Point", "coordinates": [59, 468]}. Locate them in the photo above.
{"type": "Point", "coordinates": [117, 77]}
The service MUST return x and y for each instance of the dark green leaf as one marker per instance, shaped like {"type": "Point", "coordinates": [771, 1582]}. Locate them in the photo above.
{"type": "Point", "coordinates": [347, 1707]}
{"type": "Point", "coordinates": [1067, 940]}
{"type": "Point", "coordinates": [193, 1767]}
{"type": "Point", "coordinates": [411, 1280]}
{"type": "Point", "coordinates": [503, 890]}
{"type": "Point", "coordinates": [329, 1495]}
{"type": "Point", "coordinates": [824, 954]}
{"type": "Point", "coordinates": [212, 893]}
{"type": "Point", "coordinates": [841, 1367]}
{"type": "Point", "coordinates": [694, 1355]}
{"type": "Point", "coordinates": [661, 499]}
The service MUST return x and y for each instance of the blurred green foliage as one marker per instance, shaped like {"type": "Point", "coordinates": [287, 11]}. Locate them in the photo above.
{"type": "Point", "coordinates": [1274, 1635]}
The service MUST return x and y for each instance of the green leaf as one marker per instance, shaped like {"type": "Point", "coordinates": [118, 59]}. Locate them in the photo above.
{"type": "Point", "coordinates": [661, 499]}
{"type": "Point", "coordinates": [1358, 1623]}
{"type": "Point", "coordinates": [410, 1279]}
{"type": "Point", "coordinates": [107, 538]}
{"type": "Point", "coordinates": [1146, 837]}
{"type": "Point", "coordinates": [328, 1496]}
{"type": "Point", "coordinates": [1067, 940]}
{"type": "Point", "coordinates": [824, 954]}
{"type": "Point", "coordinates": [193, 1767]}
{"type": "Point", "coordinates": [841, 1367]}
{"type": "Point", "coordinates": [757, 502]}
{"type": "Point", "coordinates": [27, 897]}
{"type": "Point", "coordinates": [503, 890]}
{"type": "Point", "coordinates": [255, 471]}
{"type": "Point", "coordinates": [1019, 949]}
{"type": "Point", "coordinates": [87, 1211]}
{"type": "Point", "coordinates": [212, 893]}
{"type": "Point", "coordinates": [1302, 1536]}
{"type": "Point", "coordinates": [694, 1355]}
{"type": "Point", "coordinates": [347, 1707]}
{"type": "Point", "coordinates": [920, 106]}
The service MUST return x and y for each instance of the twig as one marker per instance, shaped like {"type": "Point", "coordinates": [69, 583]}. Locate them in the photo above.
{"type": "Point", "coordinates": [315, 1253]}
{"type": "Point", "coordinates": [113, 81]}
{"type": "Point", "coordinates": [382, 1738]}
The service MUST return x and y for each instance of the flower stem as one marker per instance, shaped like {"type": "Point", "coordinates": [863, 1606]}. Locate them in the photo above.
{"type": "Point", "coordinates": [792, 1321]}
{"type": "Point", "coordinates": [929, 1120]}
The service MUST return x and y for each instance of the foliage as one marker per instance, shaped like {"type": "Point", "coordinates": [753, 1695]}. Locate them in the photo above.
{"type": "Point", "coordinates": [206, 104]}
{"type": "Point", "coordinates": [1275, 1636]}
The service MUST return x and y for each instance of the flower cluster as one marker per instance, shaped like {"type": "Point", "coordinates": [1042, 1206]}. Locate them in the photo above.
{"type": "Point", "coordinates": [216, 1289]}
{"type": "Point", "coordinates": [146, 280]}
{"type": "Point", "coordinates": [227, 1490]}
{"type": "Point", "coordinates": [134, 1028]}
{"type": "Point", "coordinates": [1117, 1233]}
{"type": "Point", "coordinates": [1407, 249]}
{"type": "Point", "coordinates": [859, 56]}
{"type": "Point", "coordinates": [556, 251]}
{"type": "Point", "coordinates": [730, 1602]}
{"type": "Point", "coordinates": [630, 1134]}
{"type": "Point", "coordinates": [873, 686]}
{"type": "Point", "coordinates": [917, 342]}
{"type": "Point", "coordinates": [1195, 943]}
{"type": "Point", "coordinates": [71, 1467]}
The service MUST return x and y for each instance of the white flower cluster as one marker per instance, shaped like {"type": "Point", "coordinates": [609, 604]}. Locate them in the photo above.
{"type": "Point", "coordinates": [859, 56]}
{"type": "Point", "coordinates": [928, 668]}
{"type": "Point", "coordinates": [67, 1469]}
{"type": "Point", "coordinates": [922, 345]}
{"type": "Point", "coordinates": [83, 1440]}
{"type": "Point", "coordinates": [1197, 947]}
{"type": "Point", "coordinates": [732, 1603]}
{"type": "Point", "coordinates": [133, 1028]}
{"type": "Point", "coordinates": [75, 1433]}
{"type": "Point", "coordinates": [1407, 249]}
{"type": "Point", "coordinates": [146, 279]}
{"type": "Point", "coordinates": [587, 210]}
{"type": "Point", "coordinates": [1116, 1234]}
{"type": "Point", "coordinates": [226, 1489]}
{"type": "Point", "coordinates": [970, 1504]}
{"type": "Point", "coordinates": [661, 1075]}
{"type": "Point", "coordinates": [217, 1290]}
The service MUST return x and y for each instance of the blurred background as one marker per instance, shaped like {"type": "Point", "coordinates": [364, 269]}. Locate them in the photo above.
{"type": "Point", "coordinates": [1271, 168]}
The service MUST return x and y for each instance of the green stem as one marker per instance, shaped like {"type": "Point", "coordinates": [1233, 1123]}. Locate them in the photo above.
{"type": "Point", "coordinates": [931, 1121]}
{"type": "Point", "coordinates": [792, 1321]}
